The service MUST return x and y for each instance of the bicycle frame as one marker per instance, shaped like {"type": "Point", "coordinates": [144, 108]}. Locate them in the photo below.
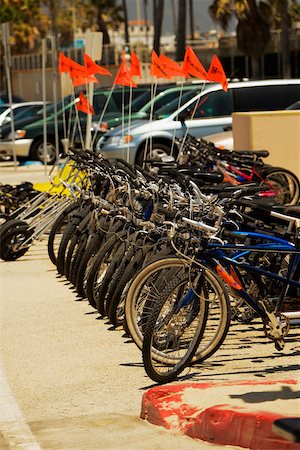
{"type": "Point", "coordinates": [231, 173]}
{"type": "Point", "coordinates": [215, 257]}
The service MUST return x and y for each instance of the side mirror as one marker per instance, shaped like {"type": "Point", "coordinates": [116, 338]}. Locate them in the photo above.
{"type": "Point", "coordinates": [184, 115]}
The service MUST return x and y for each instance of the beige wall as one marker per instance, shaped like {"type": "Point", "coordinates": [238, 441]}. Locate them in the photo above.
{"type": "Point", "coordinates": [276, 131]}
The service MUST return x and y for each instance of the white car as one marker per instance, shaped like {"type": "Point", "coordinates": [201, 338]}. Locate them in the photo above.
{"type": "Point", "coordinates": [222, 140]}
{"type": "Point", "coordinates": [25, 109]}
{"type": "Point", "coordinates": [209, 112]}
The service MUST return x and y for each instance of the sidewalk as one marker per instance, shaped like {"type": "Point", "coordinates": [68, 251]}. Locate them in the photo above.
{"type": "Point", "coordinates": [80, 385]}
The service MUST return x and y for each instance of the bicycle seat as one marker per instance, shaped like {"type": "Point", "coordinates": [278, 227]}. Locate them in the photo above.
{"type": "Point", "coordinates": [292, 210]}
{"type": "Point", "coordinates": [259, 153]}
{"type": "Point", "coordinates": [205, 177]}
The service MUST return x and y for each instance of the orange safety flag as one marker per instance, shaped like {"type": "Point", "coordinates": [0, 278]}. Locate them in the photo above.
{"type": "Point", "coordinates": [172, 68]}
{"type": "Point", "coordinates": [135, 68]}
{"type": "Point", "coordinates": [79, 80]}
{"type": "Point", "coordinates": [192, 65]}
{"type": "Point", "coordinates": [84, 105]}
{"type": "Point", "coordinates": [92, 67]}
{"type": "Point", "coordinates": [123, 77]}
{"type": "Point", "coordinates": [216, 73]}
{"type": "Point", "coordinates": [156, 68]}
{"type": "Point", "coordinates": [64, 63]}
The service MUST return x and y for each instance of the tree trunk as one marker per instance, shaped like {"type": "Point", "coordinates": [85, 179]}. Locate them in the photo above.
{"type": "Point", "coordinates": [285, 47]}
{"type": "Point", "coordinates": [255, 68]}
{"type": "Point", "coordinates": [174, 20]}
{"type": "Point", "coordinates": [103, 29]}
{"type": "Point", "coordinates": [125, 22]}
{"type": "Point", "coordinates": [181, 30]}
{"type": "Point", "coordinates": [191, 15]}
{"type": "Point", "coordinates": [158, 13]}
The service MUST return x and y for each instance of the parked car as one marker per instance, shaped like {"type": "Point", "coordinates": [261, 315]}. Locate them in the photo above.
{"type": "Point", "coordinates": [179, 93]}
{"type": "Point", "coordinates": [207, 113]}
{"type": "Point", "coordinates": [29, 138]}
{"type": "Point", "coordinates": [20, 110]}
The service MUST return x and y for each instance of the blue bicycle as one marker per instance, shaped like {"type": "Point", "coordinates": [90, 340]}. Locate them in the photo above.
{"type": "Point", "coordinates": [190, 317]}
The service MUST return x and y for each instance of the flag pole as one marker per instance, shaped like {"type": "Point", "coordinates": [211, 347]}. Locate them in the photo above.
{"type": "Point", "coordinates": [129, 121]}
{"type": "Point", "coordinates": [93, 48]}
{"type": "Point", "coordinates": [7, 59]}
{"type": "Point", "coordinates": [44, 55]}
{"type": "Point", "coordinates": [54, 90]}
{"type": "Point", "coordinates": [153, 93]}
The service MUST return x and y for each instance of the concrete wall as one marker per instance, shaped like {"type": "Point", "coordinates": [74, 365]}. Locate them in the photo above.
{"type": "Point", "coordinates": [276, 131]}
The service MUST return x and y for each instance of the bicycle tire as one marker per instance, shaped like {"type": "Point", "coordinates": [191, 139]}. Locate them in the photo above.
{"type": "Point", "coordinates": [165, 354]}
{"type": "Point", "coordinates": [287, 182]}
{"type": "Point", "coordinates": [76, 242]}
{"type": "Point", "coordinates": [10, 239]}
{"type": "Point", "coordinates": [90, 251]}
{"type": "Point", "coordinates": [126, 271]}
{"type": "Point", "coordinates": [94, 272]}
{"type": "Point", "coordinates": [143, 294]}
{"type": "Point", "coordinates": [55, 230]}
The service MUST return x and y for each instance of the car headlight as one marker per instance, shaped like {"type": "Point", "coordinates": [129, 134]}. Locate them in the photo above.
{"type": "Point", "coordinates": [103, 127]}
{"type": "Point", "coordinates": [18, 134]}
{"type": "Point", "coordinates": [121, 140]}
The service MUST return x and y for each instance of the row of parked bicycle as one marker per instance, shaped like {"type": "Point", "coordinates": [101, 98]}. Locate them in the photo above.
{"type": "Point", "coordinates": [172, 254]}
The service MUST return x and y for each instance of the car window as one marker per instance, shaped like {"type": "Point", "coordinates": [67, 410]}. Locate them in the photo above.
{"type": "Point", "coordinates": [29, 111]}
{"type": "Point", "coordinates": [3, 108]}
{"type": "Point", "coordinates": [213, 104]}
{"type": "Point", "coordinates": [23, 112]}
{"type": "Point", "coordinates": [263, 98]}
{"type": "Point", "coordinates": [99, 101]}
{"type": "Point", "coordinates": [173, 105]}
{"type": "Point", "coordinates": [139, 102]}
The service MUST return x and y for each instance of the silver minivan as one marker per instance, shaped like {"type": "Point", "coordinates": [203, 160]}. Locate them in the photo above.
{"type": "Point", "coordinates": [207, 113]}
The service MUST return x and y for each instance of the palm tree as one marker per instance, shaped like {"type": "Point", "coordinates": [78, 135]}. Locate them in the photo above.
{"type": "Point", "coordinates": [108, 13]}
{"type": "Point", "coordinates": [253, 29]}
{"type": "Point", "coordinates": [126, 21]}
{"type": "Point", "coordinates": [191, 17]}
{"type": "Point", "coordinates": [181, 30]}
{"type": "Point", "coordinates": [285, 47]}
{"type": "Point", "coordinates": [255, 21]}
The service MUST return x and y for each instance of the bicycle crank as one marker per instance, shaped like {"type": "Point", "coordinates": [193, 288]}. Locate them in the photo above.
{"type": "Point", "coordinates": [276, 327]}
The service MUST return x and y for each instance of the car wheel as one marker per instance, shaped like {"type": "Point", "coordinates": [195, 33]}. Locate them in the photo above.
{"type": "Point", "coordinates": [37, 151]}
{"type": "Point", "coordinates": [155, 151]}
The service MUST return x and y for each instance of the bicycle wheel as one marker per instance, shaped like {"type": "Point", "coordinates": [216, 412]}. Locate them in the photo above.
{"type": "Point", "coordinates": [173, 331]}
{"type": "Point", "coordinates": [145, 291]}
{"type": "Point", "coordinates": [188, 323]}
{"type": "Point", "coordinates": [57, 230]}
{"type": "Point", "coordinates": [98, 270]}
{"type": "Point", "coordinates": [116, 265]}
{"type": "Point", "coordinates": [12, 241]}
{"type": "Point", "coordinates": [128, 268]}
{"type": "Point", "coordinates": [285, 184]}
{"type": "Point", "coordinates": [86, 263]}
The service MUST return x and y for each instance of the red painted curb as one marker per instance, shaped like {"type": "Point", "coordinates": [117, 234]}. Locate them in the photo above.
{"type": "Point", "coordinates": [220, 424]}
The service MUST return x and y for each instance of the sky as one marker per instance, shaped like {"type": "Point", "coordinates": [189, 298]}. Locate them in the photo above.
{"type": "Point", "coordinates": [202, 20]}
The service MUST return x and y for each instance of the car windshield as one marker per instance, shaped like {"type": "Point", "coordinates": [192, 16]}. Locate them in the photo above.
{"type": "Point", "coordinates": [172, 106]}
{"type": "Point", "coordinates": [138, 103]}
{"type": "Point", "coordinates": [59, 105]}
